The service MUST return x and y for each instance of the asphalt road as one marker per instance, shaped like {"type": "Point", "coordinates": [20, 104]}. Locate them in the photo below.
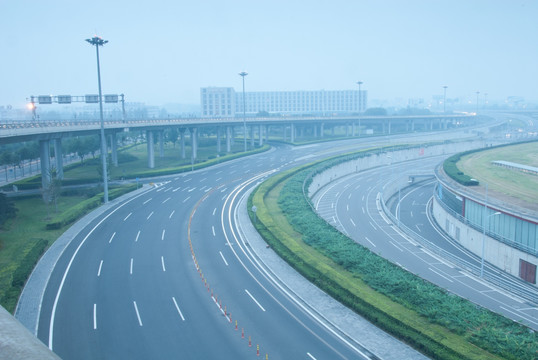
{"type": "Point", "coordinates": [129, 286]}
{"type": "Point", "coordinates": [166, 274]}
{"type": "Point", "coordinates": [350, 204]}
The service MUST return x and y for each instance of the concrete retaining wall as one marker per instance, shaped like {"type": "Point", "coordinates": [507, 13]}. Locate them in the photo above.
{"type": "Point", "coordinates": [497, 253]}
{"type": "Point", "coordinates": [374, 160]}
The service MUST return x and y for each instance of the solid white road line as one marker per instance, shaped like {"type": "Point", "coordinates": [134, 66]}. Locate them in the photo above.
{"type": "Point", "coordinates": [223, 259]}
{"type": "Point", "coordinates": [162, 263]}
{"type": "Point", "coordinates": [94, 316]}
{"type": "Point", "coordinates": [370, 241]}
{"type": "Point", "coordinates": [310, 356]}
{"type": "Point", "coordinates": [100, 266]}
{"type": "Point", "coordinates": [58, 293]}
{"type": "Point", "coordinates": [131, 269]}
{"type": "Point", "coordinates": [112, 237]}
{"type": "Point", "coordinates": [396, 246]}
{"type": "Point", "coordinates": [177, 307]}
{"type": "Point", "coordinates": [438, 273]}
{"type": "Point", "coordinates": [137, 313]}
{"type": "Point", "coordinates": [127, 216]}
{"type": "Point", "coordinates": [213, 229]}
{"type": "Point", "coordinates": [149, 215]}
{"type": "Point", "coordinates": [137, 235]}
{"type": "Point", "coordinates": [256, 301]}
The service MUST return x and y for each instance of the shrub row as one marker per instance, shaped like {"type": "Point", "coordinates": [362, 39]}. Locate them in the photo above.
{"type": "Point", "coordinates": [479, 326]}
{"type": "Point", "coordinates": [451, 169]}
{"type": "Point", "coordinates": [28, 262]}
{"type": "Point", "coordinates": [22, 272]}
{"type": "Point", "coordinates": [34, 182]}
{"type": "Point", "coordinates": [85, 206]}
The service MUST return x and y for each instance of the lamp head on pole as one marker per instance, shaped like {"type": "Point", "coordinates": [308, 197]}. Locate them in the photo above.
{"type": "Point", "coordinates": [97, 41]}
{"type": "Point", "coordinates": [359, 83]}
{"type": "Point", "coordinates": [243, 73]}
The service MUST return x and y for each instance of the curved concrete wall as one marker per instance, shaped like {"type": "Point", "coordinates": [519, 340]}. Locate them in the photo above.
{"type": "Point", "coordinates": [374, 160]}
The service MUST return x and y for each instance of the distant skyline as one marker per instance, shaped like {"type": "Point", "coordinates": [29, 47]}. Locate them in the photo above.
{"type": "Point", "coordinates": [162, 52]}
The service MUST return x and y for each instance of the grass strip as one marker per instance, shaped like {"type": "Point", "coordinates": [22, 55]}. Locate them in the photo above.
{"type": "Point", "coordinates": [435, 340]}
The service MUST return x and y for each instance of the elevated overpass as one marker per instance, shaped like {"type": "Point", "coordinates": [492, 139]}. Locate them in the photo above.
{"type": "Point", "coordinates": [290, 127]}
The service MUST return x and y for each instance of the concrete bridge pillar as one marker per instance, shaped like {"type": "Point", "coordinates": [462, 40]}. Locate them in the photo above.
{"type": "Point", "coordinates": [412, 125]}
{"type": "Point", "coordinates": [353, 129]}
{"type": "Point", "coordinates": [252, 136]}
{"type": "Point", "coordinates": [390, 126]}
{"type": "Point", "coordinates": [218, 140]}
{"type": "Point", "coordinates": [151, 154]}
{"type": "Point", "coordinates": [228, 139]}
{"type": "Point", "coordinates": [194, 142]}
{"type": "Point", "coordinates": [161, 143]}
{"type": "Point", "coordinates": [232, 138]}
{"type": "Point", "coordinates": [315, 131]}
{"type": "Point", "coordinates": [322, 130]}
{"type": "Point", "coordinates": [260, 135]}
{"type": "Point", "coordinates": [182, 142]}
{"type": "Point", "coordinates": [44, 154]}
{"type": "Point", "coordinates": [266, 134]}
{"type": "Point", "coordinates": [292, 133]}
{"type": "Point", "coordinates": [58, 156]}
{"type": "Point", "coordinates": [114, 149]}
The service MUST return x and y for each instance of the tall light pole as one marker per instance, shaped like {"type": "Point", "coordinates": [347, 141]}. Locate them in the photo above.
{"type": "Point", "coordinates": [444, 99]}
{"type": "Point", "coordinates": [360, 105]}
{"type": "Point", "coordinates": [243, 74]}
{"type": "Point", "coordinates": [485, 219]}
{"type": "Point", "coordinates": [477, 93]}
{"type": "Point", "coordinates": [97, 41]}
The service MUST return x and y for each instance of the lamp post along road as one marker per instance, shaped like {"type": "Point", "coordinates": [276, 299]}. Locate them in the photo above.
{"type": "Point", "coordinates": [360, 105]}
{"type": "Point", "coordinates": [484, 225]}
{"type": "Point", "coordinates": [243, 74]}
{"type": "Point", "coordinates": [97, 41]}
{"type": "Point", "coordinates": [444, 99]}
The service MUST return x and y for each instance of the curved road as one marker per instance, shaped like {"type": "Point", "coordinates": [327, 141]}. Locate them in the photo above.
{"type": "Point", "coordinates": [166, 274]}
{"type": "Point", "coordinates": [350, 204]}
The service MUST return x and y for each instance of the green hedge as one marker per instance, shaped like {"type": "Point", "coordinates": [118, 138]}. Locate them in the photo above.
{"type": "Point", "coordinates": [479, 326]}
{"type": "Point", "coordinates": [451, 169]}
{"type": "Point", "coordinates": [85, 206]}
{"type": "Point", "coordinates": [28, 262]}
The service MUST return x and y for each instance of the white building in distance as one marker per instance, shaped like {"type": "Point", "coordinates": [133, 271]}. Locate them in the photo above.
{"type": "Point", "coordinates": [225, 102]}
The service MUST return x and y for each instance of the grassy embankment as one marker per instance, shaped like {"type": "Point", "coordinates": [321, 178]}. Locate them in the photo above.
{"type": "Point", "coordinates": [430, 319]}
{"type": "Point", "coordinates": [37, 225]}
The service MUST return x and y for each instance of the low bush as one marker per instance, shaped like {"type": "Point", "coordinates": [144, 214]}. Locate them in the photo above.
{"type": "Point", "coordinates": [28, 262]}
{"type": "Point", "coordinates": [462, 321]}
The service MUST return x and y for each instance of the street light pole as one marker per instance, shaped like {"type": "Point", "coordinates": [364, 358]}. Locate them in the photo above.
{"type": "Point", "coordinates": [243, 74]}
{"type": "Point", "coordinates": [485, 219]}
{"type": "Point", "coordinates": [360, 105]}
{"type": "Point", "coordinates": [477, 93]}
{"type": "Point", "coordinates": [444, 99]}
{"type": "Point", "coordinates": [97, 41]}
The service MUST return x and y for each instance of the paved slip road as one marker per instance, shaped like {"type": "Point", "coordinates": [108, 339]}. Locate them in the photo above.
{"type": "Point", "coordinates": [350, 205]}
{"type": "Point", "coordinates": [129, 285]}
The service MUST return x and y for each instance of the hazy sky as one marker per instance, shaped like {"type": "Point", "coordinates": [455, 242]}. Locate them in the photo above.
{"type": "Point", "coordinates": [163, 51]}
